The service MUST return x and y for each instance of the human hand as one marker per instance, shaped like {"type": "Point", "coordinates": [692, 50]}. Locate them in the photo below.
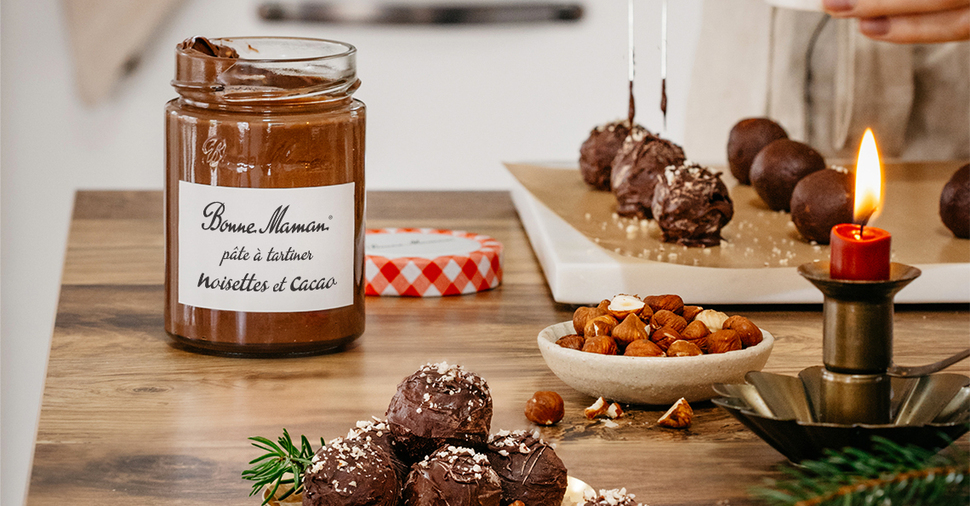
{"type": "Point", "coordinates": [906, 21]}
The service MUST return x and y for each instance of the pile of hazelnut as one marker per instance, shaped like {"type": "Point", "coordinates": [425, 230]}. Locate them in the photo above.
{"type": "Point", "coordinates": [657, 326]}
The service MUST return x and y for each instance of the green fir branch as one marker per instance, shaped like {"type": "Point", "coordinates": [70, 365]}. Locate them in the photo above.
{"type": "Point", "coordinates": [280, 460]}
{"type": "Point", "coordinates": [888, 475]}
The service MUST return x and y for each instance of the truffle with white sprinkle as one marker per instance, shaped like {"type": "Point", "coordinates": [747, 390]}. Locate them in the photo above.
{"type": "Point", "coordinates": [637, 170]}
{"type": "Point", "coordinates": [529, 468]}
{"type": "Point", "coordinates": [351, 473]}
{"type": "Point", "coordinates": [440, 403]}
{"type": "Point", "coordinates": [453, 476]}
{"type": "Point", "coordinates": [691, 205]}
{"type": "Point", "coordinates": [614, 497]}
{"type": "Point", "coordinates": [598, 151]}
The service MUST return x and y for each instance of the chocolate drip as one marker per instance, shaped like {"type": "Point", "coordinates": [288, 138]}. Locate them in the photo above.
{"type": "Point", "coordinates": [633, 106]}
{"type": "Point", "coordinates": [663, 98]}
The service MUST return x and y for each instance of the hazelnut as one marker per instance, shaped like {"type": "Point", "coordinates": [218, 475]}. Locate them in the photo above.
{"type": "Point", "coordinates": [599, 326]}
{"type": "Point", "coordinates": [596, 409]}
{"type": "Point", "coordinates": [667, 318]}
{"type": "Point", "coordinates": [602, 407]}
{"type": "Point", "coordinates": [579, 318]}
{"type": "Point", "coordinates": [604, 304]}
{"type": "Point", "coordinates": [713, 319]}
{"type": "Point", "coordinates": [646, 313]}
{"type": "Point", "coordinates": [682, 348]}
{"type": "Point", "coordinates": [672, 303]}
{"type": "Point", "coordinates": [679, 416]}
{"type": "Point", "coordinates": [723, 341]}
{"type": "Point", "coordinates": [748, 332]}
{"type": "Point", "coordinates": [643, 348]}
{"type": "Point", "coordinates": [629, 330]}
{"type": "Point", "coordinates": [623, 305]}
{"type": "Point", "coordinates": [545, 408]}
{"type": "Point", "coordinates": [604, 345]}
{"type": "Point", "coordinates": [690, 312]}
{"type": "Point", "coordinates": [614, 411]}
{"type": "Point", "coordinates": [664, 337]}
{"type": "Point", "coordinates": [696, 332]}
{"type": "Point", "coordinates": [571, 341]}
{"type": "Point", "coordinates": [517, 503]}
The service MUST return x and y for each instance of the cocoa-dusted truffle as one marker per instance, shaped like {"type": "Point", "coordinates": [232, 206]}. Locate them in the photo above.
{"type": "Point", "coordinates": [615, 497]}
{"type": "Point", "coordinates": [746, 139]}
{"type": "Point", "coordinates": [820, 201]}
{"type": "Point", "coordinates": [778, 167]}
{"type": "Point", "coordinates": [529, 468]}
{"type": "Point", "coordinates": [453, 476]}
{"type": "Point", "coordinates": [378, 432]}
{"type": "Point", "coordinates": [691, 205]}
{"type": "Point", "coordinates": [598, 151]}
{"type": "Point", "coordinates": [955, 203]}
{"type": "Point", "coordinates": [439, 403]}
{"type": "Point", "coordinates": [351, 473]}
{"type": "Point", "coordinates": [636, 169]}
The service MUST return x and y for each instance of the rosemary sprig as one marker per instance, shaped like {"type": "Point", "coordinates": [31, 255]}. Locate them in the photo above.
{"type": "Point", "coordinates": [282, 458]}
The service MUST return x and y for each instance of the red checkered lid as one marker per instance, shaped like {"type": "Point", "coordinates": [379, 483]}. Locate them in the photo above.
{"type": "Point", "coordinates": [424, 262]}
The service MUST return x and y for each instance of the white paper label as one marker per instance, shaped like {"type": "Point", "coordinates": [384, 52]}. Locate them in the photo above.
{"type": "Point", "coordinates": [266, 249]}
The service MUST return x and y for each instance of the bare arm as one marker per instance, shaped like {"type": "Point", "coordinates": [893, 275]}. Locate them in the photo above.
{"type": "Point", "coordinates": [907, 21]}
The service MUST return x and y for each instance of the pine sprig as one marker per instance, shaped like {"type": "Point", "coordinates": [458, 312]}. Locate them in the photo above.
{"type": "Point", "coordinates": [890, 474]}
{"type": "Point", "coordinates": [283, 463]}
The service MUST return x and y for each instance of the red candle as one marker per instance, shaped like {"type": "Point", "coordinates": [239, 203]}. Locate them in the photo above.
{"type": "Point", "coordinates": [859, 256]}
{"type": "Point", "coordinates": [861, 252]}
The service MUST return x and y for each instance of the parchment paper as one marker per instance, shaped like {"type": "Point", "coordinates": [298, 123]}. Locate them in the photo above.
{"type": "Point", "coordinates": [756, 236]}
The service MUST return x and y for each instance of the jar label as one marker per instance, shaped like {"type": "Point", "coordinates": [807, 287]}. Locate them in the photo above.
{"type": "Point", "coordinates": [266, 249]}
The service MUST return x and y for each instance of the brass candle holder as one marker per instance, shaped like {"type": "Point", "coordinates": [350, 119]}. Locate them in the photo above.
{"type": "Point", "coordinates": [859, 392]}
{"type": "Point", "coordinates": [857, 343]}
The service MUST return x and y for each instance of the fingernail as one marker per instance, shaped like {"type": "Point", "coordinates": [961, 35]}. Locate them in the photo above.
{"type": "Point", "coordinates": [874, 27]}
{"type": "Point", "coordinates": [838, 5]}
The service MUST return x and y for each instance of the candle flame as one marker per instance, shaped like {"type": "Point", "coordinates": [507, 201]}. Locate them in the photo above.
{"type": "Point", "coordinates": [868, 181]}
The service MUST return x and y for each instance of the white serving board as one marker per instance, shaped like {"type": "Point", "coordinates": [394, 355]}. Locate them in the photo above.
{"type": "Point", "coordinates": [579, 271]}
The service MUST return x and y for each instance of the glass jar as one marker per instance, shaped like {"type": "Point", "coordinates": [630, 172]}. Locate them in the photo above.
{"type": "Point", "coordinates": [264, 197]}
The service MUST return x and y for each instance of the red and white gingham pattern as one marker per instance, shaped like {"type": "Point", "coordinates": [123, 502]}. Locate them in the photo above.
{"type": "Point", "coordinates": [434, 277]}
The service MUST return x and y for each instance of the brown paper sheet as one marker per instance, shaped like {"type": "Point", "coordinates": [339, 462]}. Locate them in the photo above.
{"type": "Point", "coordinates": [756, 236]}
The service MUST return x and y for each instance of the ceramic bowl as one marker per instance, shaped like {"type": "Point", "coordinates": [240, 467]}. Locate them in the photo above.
{"type": "Point", "coordinates": [648, 380]}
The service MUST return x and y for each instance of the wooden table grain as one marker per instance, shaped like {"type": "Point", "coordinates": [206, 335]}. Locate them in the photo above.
{"type": "Point", "coordinates": [127, 418]}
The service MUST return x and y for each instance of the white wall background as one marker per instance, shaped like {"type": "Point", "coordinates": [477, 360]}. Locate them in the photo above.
{"type": "Point", "coordinates": [446, 105]}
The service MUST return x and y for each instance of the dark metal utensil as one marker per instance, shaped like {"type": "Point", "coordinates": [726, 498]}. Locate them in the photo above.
{"type": "Point", "coordinates": [417, 14]}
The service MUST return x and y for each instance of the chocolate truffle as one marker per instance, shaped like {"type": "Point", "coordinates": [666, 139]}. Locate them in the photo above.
{"type": "Point", "coordinates": [636, 169]}
{"type": "Point", "coordinates": [453, 476]}
{"type": "Point", "coordinates": [598, 151]}
{"type": "Point", "coordinates": [746, 139]}
{"type": "Point", "coordinates": [691, 205]}
{"type": "Point", "coordinates": [615, 497]}
{"type": "Point", "coordinates": [439, 403]}
{"type": "Point", "coordinates": [778, 167]}
{"type": "Point", "coordinates": [378, 432]}
{"type": "Point", "coordinates": [351, 473]}
{"type": "Point", "coordinates": [955, 203]}
{"type": "Point", "coordinates": [529, 468]}
{"type": "Point", "coordinates": [820, 201]}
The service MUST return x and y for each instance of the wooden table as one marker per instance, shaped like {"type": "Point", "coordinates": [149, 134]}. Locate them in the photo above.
{"type": "Point", "coordinates": [129, 419]}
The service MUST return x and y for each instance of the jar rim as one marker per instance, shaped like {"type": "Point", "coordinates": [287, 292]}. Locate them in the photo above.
{"type": "Point", "coordinates": [287, 70]}
{"type": "Point", "coordinates": [348, 49]}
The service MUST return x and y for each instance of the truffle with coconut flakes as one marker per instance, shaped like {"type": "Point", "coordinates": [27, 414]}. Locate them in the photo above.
{"type": "Point", "coordinates": [453, 476]}
{"type": "Point", "coordinates": [438, 404]}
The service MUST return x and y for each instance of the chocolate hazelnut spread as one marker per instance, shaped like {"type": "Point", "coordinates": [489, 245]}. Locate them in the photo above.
{"type": "Point", "coordinates": [264, 197]}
